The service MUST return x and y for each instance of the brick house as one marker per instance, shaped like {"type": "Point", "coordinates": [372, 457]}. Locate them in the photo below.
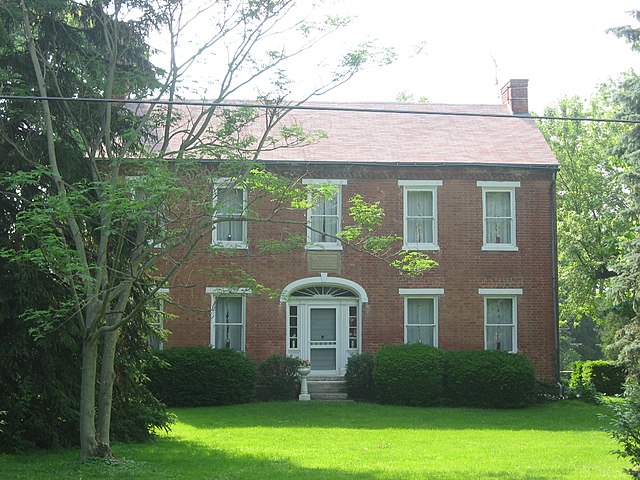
{"type": "Point", "coordinates": [475, 191]}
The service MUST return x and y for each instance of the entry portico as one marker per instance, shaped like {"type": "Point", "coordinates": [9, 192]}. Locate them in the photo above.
{"type": "Point", "coordinates": [324, 321]}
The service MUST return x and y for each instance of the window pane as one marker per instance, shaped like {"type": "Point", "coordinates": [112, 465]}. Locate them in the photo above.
{"type": "Point", "coordinates": [420, 203]}
{"type": "Point", "coordinates": [228, 336]}
{"type": "Point", "coordinates": [499, 311]}
{"type": "Point", "coordinates": [419, 230]}
{"type": "Point", "coordinates": [327, 228]}
{"type": "Point", "coordinates": [420, 311]}
{"type": "Point", "coordinates": [500, 338]}
{"type": "Point", "coordinates": [228, 310]}
{"type": "Point", "coordinates": [326, 206]}
{"type": "Point", "coordinates": [230, 201]}
{"type": "Point", "coordinates": [498, 204]}
{"type": "Point", "coordinates": [498, 230]}
{"type": "Point", "coordinates": [421, 334]}
{"type": "Point", "coordinates": [323, 324]}
{"type": "Point", "coordinates": [230, 231]}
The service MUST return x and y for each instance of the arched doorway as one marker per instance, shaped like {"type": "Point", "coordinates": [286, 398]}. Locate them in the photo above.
{"type": "Point", "coordinates": [324, 322]}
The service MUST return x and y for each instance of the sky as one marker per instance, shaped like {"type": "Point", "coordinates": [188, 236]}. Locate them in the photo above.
{"type": "Point", "coordinates": [561, 46]}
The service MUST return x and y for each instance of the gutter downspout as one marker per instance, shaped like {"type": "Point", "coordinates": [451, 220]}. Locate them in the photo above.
{"type": "Point", "coordinates": [554, 271]}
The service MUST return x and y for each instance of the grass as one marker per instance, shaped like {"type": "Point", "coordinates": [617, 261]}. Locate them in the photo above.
{"type": "Point", "coordinates": [300, 440]}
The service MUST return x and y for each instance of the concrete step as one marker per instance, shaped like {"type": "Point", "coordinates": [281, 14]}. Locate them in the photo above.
{"type": "Point", "coordinates": [330, 397]}
{"type": "Point", "coordinates": [327, 387]}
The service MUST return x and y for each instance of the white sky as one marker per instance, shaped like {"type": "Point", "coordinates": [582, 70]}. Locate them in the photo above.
{"type": "Point", "coordinates": [561, 46]}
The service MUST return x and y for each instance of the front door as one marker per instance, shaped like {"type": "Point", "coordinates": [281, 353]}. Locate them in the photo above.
{"type": "Point", "coordinates": [323, 339]}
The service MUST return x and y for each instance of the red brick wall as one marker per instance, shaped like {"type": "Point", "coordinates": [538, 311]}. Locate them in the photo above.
{"type": "Point", "coordinates": [463, 266]}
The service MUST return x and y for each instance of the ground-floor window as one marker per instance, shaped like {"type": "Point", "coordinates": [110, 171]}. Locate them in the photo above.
{"type": "Point", "coordinates": [501, 319]}
{"type": "Point", "coordinates": [421, 315]}
{"type": "Point", "coordinates": [228, 318]}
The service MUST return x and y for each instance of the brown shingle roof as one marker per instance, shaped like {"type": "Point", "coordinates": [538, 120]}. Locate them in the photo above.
{"type": "Point", "coordinates": [372, 137]}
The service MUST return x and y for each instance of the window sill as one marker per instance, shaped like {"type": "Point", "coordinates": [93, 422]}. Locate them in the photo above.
{"type": "Point", "coordinates": [323, 247]}
{"type": "Point", "coordinates": [231, 245]}
{"type": "Point", "coordinates": [499, 248]}
{"type": "Point", "coordinates": [421, 247]}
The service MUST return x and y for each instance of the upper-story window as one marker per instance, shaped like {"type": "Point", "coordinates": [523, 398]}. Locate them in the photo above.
{"type": "Point", "coordinates": [420, 217]}
{"type": "Point", "coordinates": [324, 218]}
{"type": "Point", "coordinates": [499, 215]}
{"type": "Point", "coordinates": [501, 318]}
{"type": "Point", "coordinates": [230, 204]}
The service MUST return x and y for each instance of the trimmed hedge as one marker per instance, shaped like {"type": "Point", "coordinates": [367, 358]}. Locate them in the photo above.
{"type": "Point", "coordinates": [605, 376]}
{"type": "Point", "coordinates": [278, 378]}
{"type": "Point", "coordinates": [409, 374]}
{"type": "Point", "coordinates": [488, 379]}
{"type": "Point", "coordinates": [201, 376]}
{"type": "Point", "coordinates": [359, 377]}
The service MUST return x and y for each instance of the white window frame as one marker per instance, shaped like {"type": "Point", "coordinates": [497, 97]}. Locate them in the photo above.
{"type": "Point", "coordinates": [223, 292]}
{"type": "Point", "coordinates": [422, 293]}
{"type": "Point", "coordinates": [226, 183]}
{"type": "Point", "coordinates": [509, 187]}
{"type": "Point", "coordinates": [508, 294]}
{"type": "Point", "coordinates": [336, 244]}
{"type": "Point", "coordinates": [420, 186]}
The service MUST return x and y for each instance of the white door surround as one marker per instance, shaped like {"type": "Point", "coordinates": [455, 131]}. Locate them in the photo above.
{"type": "Point", "coordinates": [324, 323]}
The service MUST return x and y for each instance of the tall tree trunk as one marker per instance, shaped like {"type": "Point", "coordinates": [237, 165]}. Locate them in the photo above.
{"type": "Point", "coordinates": [88, 442]}
{"type": "Point", "coordinates": [105, 393]}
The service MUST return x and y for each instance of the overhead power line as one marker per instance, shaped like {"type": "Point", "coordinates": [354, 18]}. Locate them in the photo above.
{"type": "Point", "coordinates": [197, 103]}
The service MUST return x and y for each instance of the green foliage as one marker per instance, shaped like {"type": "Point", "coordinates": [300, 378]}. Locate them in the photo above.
{"type": "Point", "coordinates": [202, 376]}
{"type": "Point", "coordinates": [278, 378]}
{"type": "Point", "coordinates": [605, 376]}
{"type": "Point", "coordinates": [590, 199]}
{"type": "Point", "coordinates": [625, 428]}
{"type": "Point", "coordinates": [409, 374]}
{"type": "Point", "coordinates": [359, 377]}
{"type": "Point", "coordinates": [488, 379]}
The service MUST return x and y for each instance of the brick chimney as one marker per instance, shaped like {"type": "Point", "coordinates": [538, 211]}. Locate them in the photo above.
{"type": "Point", "coordinates": [515, 94]}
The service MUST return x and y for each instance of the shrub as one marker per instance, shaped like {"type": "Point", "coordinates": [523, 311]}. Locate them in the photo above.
{"type": "Point", "coordinates": [488, 379]}
{"type": "Point", "coordinates": [409, 374]}
{"type": "Point", "coordinates": [625, 429]}
{"type": "Point", "coordinates": [359, 377]}
{"type": "Point", "coordinates": [201, 376]}
{"type": "Point", "coordinates": [278, 378]}
{"type": "Point", "coordinates": [606, 377]}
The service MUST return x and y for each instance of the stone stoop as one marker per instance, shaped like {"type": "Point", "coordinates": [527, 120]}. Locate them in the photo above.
{"type": "Point", "coordinates": [328, 389]}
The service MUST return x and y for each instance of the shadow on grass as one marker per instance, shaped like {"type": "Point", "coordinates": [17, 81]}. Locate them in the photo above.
{"type": "Point", "coordinates": [560, 416]}
{"type": "Point", "coordinates": [180, 459]}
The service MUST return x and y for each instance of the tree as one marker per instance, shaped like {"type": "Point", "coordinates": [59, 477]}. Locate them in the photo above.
{"type": "Point", "coordinates": [591, 197]}
{"type": "Point", "coordinates": [135, 215]}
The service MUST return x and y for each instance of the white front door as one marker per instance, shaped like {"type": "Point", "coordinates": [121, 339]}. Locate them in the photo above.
{"type": "Point", "coordinates": [323, 339]}
{"type": "Point", "coordinates": [325, 331]}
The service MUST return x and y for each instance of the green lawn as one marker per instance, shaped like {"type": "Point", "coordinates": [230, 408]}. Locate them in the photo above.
{"type": "Point", "coordinates": [299, 440]}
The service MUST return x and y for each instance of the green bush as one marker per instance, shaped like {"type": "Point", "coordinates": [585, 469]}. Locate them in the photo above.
{"type": "Point", "coordinates": [625, 429]}
{"type": "Point", "coordinates": [359, 377]}
{"type": "Point", "coordinates": [604, 376]}
{"type": "Point", "coordinates": [488, 379]}
{"type": "Point", "coordinates": [201, 376]}
{"type": "Point", "coordinates": [409, 374]}
{"type": "Point", "coordinates": [278, 378]}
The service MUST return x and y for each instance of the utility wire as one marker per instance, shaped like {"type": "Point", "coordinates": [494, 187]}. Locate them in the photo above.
{"type": "Point", "coordinates": [196, 103]}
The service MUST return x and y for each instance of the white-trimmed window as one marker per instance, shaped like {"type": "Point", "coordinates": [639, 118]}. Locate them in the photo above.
{"type": "Point", "coordinates": [228, 317]}
{"type": "Point", "coordinates": [157, 318]}
{"type": "Point", "coordinates": [501, 318]}
{"type": "Point", "coordinates": [420, 214]}
{"type": "Point", "coordinates": [421, 315]}
{"type": "Point", "coordinates": [230, 204]}
{"type": "Point", "coordinates": [324, 218]}
{"type": "Point", "coordinates": [499, 215]}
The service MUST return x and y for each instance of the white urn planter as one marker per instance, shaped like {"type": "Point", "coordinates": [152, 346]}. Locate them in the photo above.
{"type": "Point", "coordinates": [304, 391]}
